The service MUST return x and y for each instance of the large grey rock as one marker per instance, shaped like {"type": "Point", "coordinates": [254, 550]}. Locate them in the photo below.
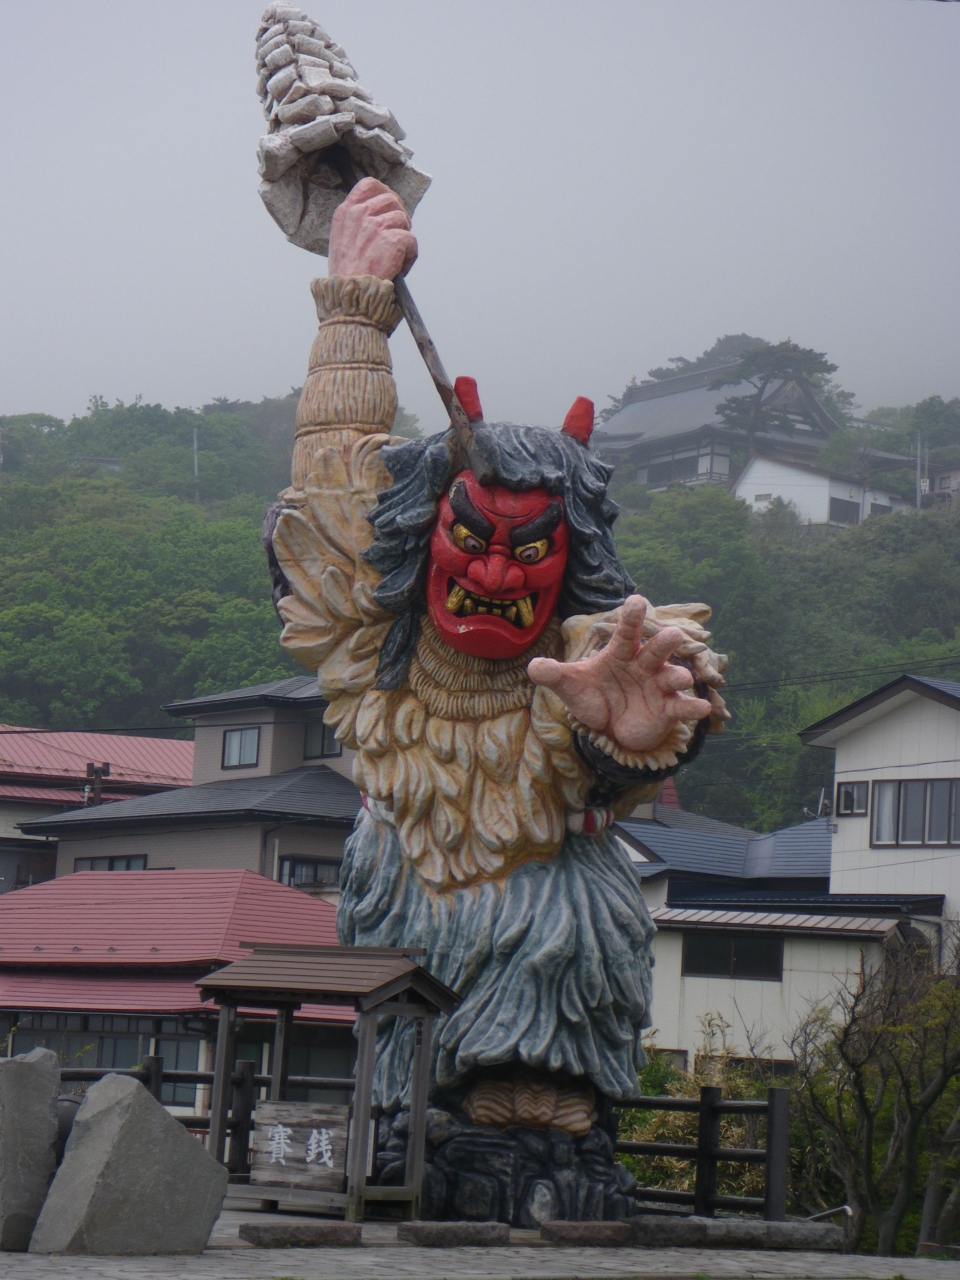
{"type": "Point", "coordinates": [132, 1181]}
{"type": "Point", "coordinates": [680, 1231]}
{"type": "Point", "coordinates": [29, 1085]}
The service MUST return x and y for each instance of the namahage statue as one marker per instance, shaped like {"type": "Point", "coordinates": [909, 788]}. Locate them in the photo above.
{"type": "Point", "coordinates": [508, 697]}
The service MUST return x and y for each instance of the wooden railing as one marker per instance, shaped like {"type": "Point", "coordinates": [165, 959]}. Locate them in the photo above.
{"type": "Point", "coordinates": [245, 1082]}
{"type": "Point", "coordinates": [706, 1153]}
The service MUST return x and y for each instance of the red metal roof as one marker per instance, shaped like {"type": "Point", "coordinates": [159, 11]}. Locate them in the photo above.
{"type": "Point", "coordinates": [155, 918]}
{"type": "Point", "coordinates": [58, 796]}
{"type": "Point", "coordinates": [49, 755]}
{"type": "Point", "coordinates": [109, 994]}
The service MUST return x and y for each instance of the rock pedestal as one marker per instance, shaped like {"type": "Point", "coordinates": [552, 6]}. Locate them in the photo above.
{"type": "Point", "coordinates": [132, 1181]}
{"type": "Point", "coordinates": [522, 1177]}
{"type": "Point", "coordinates": [29, 1084]}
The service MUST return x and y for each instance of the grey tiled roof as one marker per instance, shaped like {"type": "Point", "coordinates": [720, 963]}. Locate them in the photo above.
{"type": "Point", "coordinates": [300, 691]}
{"type": "Point", "coordinates": [316, 794]}
{"type": "Point", "coordinates": [730, 852]}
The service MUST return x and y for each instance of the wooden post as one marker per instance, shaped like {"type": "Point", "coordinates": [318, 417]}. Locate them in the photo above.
{"type": "Point", "coordinates": [222, 1071]}
{"type": "Point", "coordinates": [417, 1134]}
{"type": "Point", "coordinates": [360, 1128]}
{"type": "Point", "coordinates": [244, 1101]}
{"type": "Point", "coordinates": [778, 1154]}
{"type": "Point", "coordinates": [153, 1066]}
{"type": "Point", "coordinates": [279, 1063]}
{"type": "Point", "coordinates": [708, 1140]}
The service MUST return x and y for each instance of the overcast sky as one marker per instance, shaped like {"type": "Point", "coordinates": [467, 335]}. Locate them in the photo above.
{"type": "Point", "coordinates": [615, 182]}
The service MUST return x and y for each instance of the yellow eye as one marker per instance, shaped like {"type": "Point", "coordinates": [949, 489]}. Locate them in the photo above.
{"type": "Point", "coordinates": [468, 541]}
{"type": "Point", "coordinates": [533, 551]}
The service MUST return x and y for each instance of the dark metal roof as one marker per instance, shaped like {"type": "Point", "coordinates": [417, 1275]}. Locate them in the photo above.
{"type": "Point", "coordinates": [297, 691]}
{"type": "Point", "coordinates": [672, 408]}
{"type": "Point", "coordinates": [363, 976]}
{"type": "Point", "coordinates": [800, 852]}
{"type": "Point", "coordinates": [310, 794]}
{"type": "Point", "coordinates": [946, 692]}
{"type": "Point", "coordinates": [777, 922]}
{"type": "Point", "coordinates": [695, 893]}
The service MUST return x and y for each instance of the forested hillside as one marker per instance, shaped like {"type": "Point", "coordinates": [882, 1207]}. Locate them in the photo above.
{"type": "Point", "coordinates": [120, 591]}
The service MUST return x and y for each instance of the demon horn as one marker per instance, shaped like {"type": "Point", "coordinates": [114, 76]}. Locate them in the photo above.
{"type": "Point", "coordinates": [469, 397]}
{"type": "Point", "coordinates": [579, 420]}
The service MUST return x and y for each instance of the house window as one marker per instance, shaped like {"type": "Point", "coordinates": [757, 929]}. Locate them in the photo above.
{"type": "Point", "coordinates": [300, 871]}
{"type": "Point", "coordinates": [944, 482]}
{"type": "Point", "coordinates": [128, 862]}
{"type": "Point", "coordinates": [757, 956]}
{"type": "Point", "coordinates": [880, 509]}
{"type": "Point", "coordinates": [844, 512]}
{"type": "Point", "coordinates": [319, 741]}
{"type": "Point", "coordinates": [672, 470]}
{"type": "Point", "coordinates": [241, 748]}
{"type": "Point", "coordinates": [762, 497]}
{"type": "Point", "coordinates": [916, 812]}
{"type": "Point", "coordinates": [852, 799]}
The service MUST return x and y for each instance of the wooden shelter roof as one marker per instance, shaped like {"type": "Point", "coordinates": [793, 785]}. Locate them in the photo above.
{"type": "Point", "coordinates": [365, 977]}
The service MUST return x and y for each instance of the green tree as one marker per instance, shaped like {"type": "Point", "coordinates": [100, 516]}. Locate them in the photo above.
{"type": "Point", "coordinates": [759, 367]}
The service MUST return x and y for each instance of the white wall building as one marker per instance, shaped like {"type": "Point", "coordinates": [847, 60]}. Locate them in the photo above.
{"type": "Point", "coordinates": [747, 931]}
{"type": "Point", "coordinates": [819, 496]}
{"type": "Point", "coordinates": [897, 798]}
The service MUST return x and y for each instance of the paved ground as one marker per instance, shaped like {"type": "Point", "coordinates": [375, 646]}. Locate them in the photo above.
{"type": "Point", "coordinates": [381, 1258]}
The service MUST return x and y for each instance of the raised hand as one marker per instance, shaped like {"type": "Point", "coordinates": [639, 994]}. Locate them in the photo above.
{"type": "Point", "coordinates": [371, 235]}
{"type": "Point", "coordinates": [629, 690]}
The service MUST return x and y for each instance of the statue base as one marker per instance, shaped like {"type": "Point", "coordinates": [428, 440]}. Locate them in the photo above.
{"type": "Point", "coordinates": [520, 1176]}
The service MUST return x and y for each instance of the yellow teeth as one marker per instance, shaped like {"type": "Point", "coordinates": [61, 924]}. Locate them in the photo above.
{"type": "Point", "coordinates": [467, 604]}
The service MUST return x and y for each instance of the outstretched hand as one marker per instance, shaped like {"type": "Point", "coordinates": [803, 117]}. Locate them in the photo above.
{"type": "Point", "coordinates": [629, 690]}
{"type": "Point", "coordinates": [370, 234]}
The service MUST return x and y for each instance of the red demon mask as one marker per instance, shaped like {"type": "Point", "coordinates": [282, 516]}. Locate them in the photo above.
{"type": "Point", "coordinates": [496, 567]}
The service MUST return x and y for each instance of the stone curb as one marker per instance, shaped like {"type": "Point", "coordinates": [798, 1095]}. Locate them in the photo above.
{"type": "Point", "coordinates": [606, 1235]}
{"type": "Point", "coordinates": [452, 1235]}
{"type": "Point", "coordinates": [300, 1235]}
{"type": "Point", "coordinates": [676, 1232]}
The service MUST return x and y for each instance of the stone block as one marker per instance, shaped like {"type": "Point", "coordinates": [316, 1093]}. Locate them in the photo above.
{"type": "Point", "coordinates": [276, 155]}
{"type": "Point", "coordinates": [453, 1235]}
{"type": "Point", "coordinates": [300, 1235]}
{"type": "Point", "coordinates": [410, 184]}
{"type": "Point", "coordinates": [669, 1231]}
{"type": "Point", "coordinates": [381, 144]}
{"type": "Point", "coordinates": [29, 1085]}
{"type": "Point", "coordinates": [303, 110]}
{"type": "Point", "coordinates": [321, 132]}
{"type": "Point", "coordinates": [284, 201]}
{"type": "Point", "coordinates": [608, 1235]}
{"type": "Point", "coordinates": [281, 57]}
{"type": "Point", "coordinates": [132, 1181]}
{"type": "Point", "coordinates": [684, 1231]}
{"type": "Point", "coordinates": [279, 85]}
{"type": "Point", "coordinates": [271, 46]}
{"type": "Point", "coordinates": [306, 44]}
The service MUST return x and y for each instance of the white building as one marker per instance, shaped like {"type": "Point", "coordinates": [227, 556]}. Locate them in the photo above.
{"type": "Point", "coordinates": [820, 497]}
{"type": "Point", "coordinates": [897, 799]}
{"type": "Point", "coordinates": [747, 931]}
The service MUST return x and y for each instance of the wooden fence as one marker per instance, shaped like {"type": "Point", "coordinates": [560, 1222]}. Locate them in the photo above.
{"type": "Point", "coordinates": [706, 1153]}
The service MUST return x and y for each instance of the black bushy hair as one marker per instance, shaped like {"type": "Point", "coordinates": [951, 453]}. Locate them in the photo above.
{"type": "Point", "coordinates": [518, 458]}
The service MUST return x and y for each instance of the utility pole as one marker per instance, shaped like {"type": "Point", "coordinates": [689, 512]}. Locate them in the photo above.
{"type": "Point", "coordinates": [97, 772]}
{"type": "Point", "coordinates": [918, 470]}
{"type": "Point", "coordinates": [196, 469]}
